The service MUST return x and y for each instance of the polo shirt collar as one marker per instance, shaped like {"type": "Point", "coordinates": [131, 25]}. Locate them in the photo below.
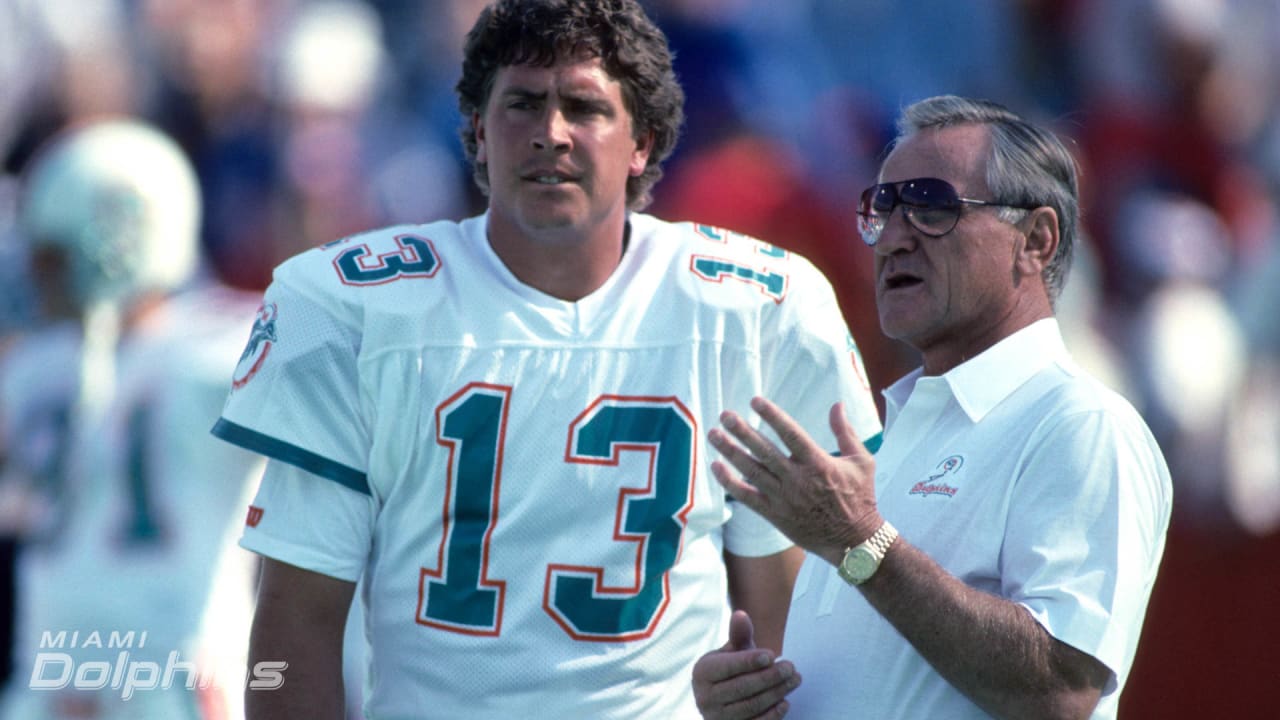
{"type": "Point", "coordinates": [983, 382]}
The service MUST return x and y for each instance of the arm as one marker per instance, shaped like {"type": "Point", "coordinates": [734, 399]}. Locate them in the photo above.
{"type": "Point", "coordinates": [762, 587]}
{"type": "Point", "coordinates": [299, 620]}
{"type": "Point", "coordinates": [987, 647]}
{"type": "Point", "coordinates": [743, 679]}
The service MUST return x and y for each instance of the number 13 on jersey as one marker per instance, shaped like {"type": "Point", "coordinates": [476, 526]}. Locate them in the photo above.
{"type": "Point", "coordinates": [458, 594]}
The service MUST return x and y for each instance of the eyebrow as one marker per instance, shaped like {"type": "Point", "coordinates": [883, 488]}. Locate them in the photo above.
{"type": "Point", "coordinates": [522, 93]}
{"type": "Point", "coordinates": [584, 98]}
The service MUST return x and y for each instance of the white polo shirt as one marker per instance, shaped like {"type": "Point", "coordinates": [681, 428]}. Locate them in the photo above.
{"type": "Point", "coordinates": [1025, 478]}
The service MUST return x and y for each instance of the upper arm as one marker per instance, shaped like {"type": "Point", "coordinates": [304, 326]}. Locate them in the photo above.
{"type": "Point", "coordinates": [300, 620]}
{"type": "Point", "coordinates": [762, 586]}
{"type": "Point", "coordinates": [292, 595]}
{"type": "Point", "coordinates": [1086, 575]}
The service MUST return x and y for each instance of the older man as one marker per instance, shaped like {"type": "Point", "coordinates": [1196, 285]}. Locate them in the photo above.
{"type": "Point", "coordinates": [995, 557]}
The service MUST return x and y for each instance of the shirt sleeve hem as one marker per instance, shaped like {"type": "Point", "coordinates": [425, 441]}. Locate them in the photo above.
{"type": "Point", "coordinates": [299, 556]}
{"type": "Point", "coordinates": [291, 454]}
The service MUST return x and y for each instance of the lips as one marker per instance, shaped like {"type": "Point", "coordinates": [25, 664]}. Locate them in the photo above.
{"type": "Point", "coordinates": [549, 176]}
{"type": "Point", "coordinates": [898, 280]}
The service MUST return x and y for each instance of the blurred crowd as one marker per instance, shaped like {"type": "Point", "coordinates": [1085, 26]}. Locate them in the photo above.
{"type": "Point", "coordinates": [308, 120]}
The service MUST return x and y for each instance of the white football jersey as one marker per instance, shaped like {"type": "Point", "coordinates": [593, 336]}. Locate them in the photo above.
{"type": "Point", "coordinates": [138, 554]}
{"type": "Point", "coordinates": [522, 482]}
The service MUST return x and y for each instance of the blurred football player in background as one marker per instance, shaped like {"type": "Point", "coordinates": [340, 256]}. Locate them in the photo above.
{"type": "Point", "coordinates": [133, 600]}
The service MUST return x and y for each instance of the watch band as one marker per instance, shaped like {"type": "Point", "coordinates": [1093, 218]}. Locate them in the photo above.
{"type": "Point", "coordinates": [881, 539]}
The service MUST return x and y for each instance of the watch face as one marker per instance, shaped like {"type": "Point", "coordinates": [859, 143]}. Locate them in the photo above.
{"type": "Point", "coordinates": [859, 564]}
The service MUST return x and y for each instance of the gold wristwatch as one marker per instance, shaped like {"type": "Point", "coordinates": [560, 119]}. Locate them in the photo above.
{"type": "Point", "coordinates": [861, 561]}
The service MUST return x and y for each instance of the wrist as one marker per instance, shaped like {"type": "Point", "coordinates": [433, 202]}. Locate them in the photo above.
{"type": "Point", "coordinates": [857, 532]}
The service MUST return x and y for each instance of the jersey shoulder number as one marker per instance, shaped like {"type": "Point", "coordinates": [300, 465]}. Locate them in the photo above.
{"type": "Point", "coordinates": [733, 256]}
{"type": "Point", "coordinates": [383, 257]}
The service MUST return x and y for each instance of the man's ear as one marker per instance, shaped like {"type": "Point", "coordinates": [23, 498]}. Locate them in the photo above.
{"type": "Point", "coordinates": [640, 156]}
{"type": "Point", "coordinates": [477, 124]}
{"type": "Point", "coordinates": [1041, 242]}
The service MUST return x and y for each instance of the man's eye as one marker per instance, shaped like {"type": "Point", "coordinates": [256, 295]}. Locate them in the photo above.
{"type": "Point", "coordinates": [588, 109]}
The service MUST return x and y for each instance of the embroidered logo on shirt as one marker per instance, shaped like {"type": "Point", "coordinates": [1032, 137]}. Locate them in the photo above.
{"type": "Point", "coordinates": [254, 517]}
{"type": "Point", "coordinates": [261, 338]}
{"type": "Point", "coordinates": [935, 485]}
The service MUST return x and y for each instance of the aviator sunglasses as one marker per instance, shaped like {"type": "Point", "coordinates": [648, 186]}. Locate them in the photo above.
{"type": "Point", "coordinates": [931, 205]}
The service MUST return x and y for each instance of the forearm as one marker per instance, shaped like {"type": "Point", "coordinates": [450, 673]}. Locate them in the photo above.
{"type": "Point", "coordinates": [761, 586]}
{"type": "Point", "coordinates": [300, 620]}
{"type": "Point", "coordinates": [313, 686]}
{"type": "Point", "coordinates": [987, 647]}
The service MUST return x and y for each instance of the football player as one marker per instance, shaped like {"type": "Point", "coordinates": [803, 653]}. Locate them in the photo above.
{"type": "Point", "coordinates": [499, 424]}
{"type": "Point", "coordinates": [132, 595]}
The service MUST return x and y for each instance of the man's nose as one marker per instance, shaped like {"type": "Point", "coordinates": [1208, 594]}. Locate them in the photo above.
{"type": "Point", "coordinates": [553, 132]}
{"type": "Point", "coordinates": [897, 235]}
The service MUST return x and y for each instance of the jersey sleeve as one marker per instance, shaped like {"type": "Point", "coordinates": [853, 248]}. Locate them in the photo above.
{"type": "Point", "coordinates": [813, 362]}
{"type": "Point", "coordinates": [809, 362]}
{"type": "Point", "coordinates": [1085, 537]}
{"type": "Point", "coordinates": [747, 534]}
{"type": "Point", "coordinates": [296, 394]}
{"type": "Point", "coordinates": [296, 399]}
{"type": "Point", "coordinates": [310, 523]}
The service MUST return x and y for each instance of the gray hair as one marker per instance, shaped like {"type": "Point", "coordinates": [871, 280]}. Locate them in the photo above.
{"type": "Point", "coordinates": [1029, 166]}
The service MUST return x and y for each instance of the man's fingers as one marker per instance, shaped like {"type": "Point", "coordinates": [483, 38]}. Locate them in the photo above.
{"type": "Point", "coordinates": [768, 705]}
{"type": "Point", "coordinates": [717, 674]}
{"type": "Point", "coordinates": [746, 493]}
{"type": "Point", "coordinates": [755, 694]}
{"type": "Point", "coordinates": [746, 461]}
{"type": "Point", "coordinates": [793, 436]}
{"type": "Point", "coordinates": [758, 447]}
{"type": "Point", "coordinates": [741, 631]}
{"type": "Point", "coordinates": [846, 437]}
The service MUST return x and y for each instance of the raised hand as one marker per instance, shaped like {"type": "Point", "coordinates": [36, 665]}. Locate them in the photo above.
{"type": "Point", "coordinates": [824, 503]}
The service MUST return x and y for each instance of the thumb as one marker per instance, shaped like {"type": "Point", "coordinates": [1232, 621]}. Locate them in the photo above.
{"type": "Point", "coordinates": [741, 632]}
{"type": "Point", "coordinates": [846, 437]}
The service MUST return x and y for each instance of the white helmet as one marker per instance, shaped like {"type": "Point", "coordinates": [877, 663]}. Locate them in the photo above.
{"type": "Point", "coordinates": [122, 200]}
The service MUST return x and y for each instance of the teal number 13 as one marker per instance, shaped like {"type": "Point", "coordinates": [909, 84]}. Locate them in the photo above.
{"type": "Point", "coordinates": [460, 596]}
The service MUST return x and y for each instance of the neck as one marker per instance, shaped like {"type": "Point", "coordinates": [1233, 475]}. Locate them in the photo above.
{"type": "Point", "coordinates": [941, 357]}
{"type": "Point", "coordinates": [563, 264]}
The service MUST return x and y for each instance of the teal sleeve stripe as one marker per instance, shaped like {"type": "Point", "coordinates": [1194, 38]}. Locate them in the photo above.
{"type": "Point", "coordinates": [291, 454]}
{"type": "Point", "coordinates": [873, 443]}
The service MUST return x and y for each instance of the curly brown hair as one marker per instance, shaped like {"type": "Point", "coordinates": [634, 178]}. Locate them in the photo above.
{"type": "Point", "coordinates": [539, 32]}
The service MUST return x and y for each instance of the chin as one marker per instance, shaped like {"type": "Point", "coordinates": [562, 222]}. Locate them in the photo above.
{"type": "Point", "coordinates": [552, 212]}
{"type": "Point", "coordinates": [903, 329]}
{"type": "Point", "coordinates": [894, 325]}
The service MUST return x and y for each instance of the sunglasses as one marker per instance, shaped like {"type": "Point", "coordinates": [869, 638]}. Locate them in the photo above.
{"type": "Point", "coordinates": [932, 206]}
